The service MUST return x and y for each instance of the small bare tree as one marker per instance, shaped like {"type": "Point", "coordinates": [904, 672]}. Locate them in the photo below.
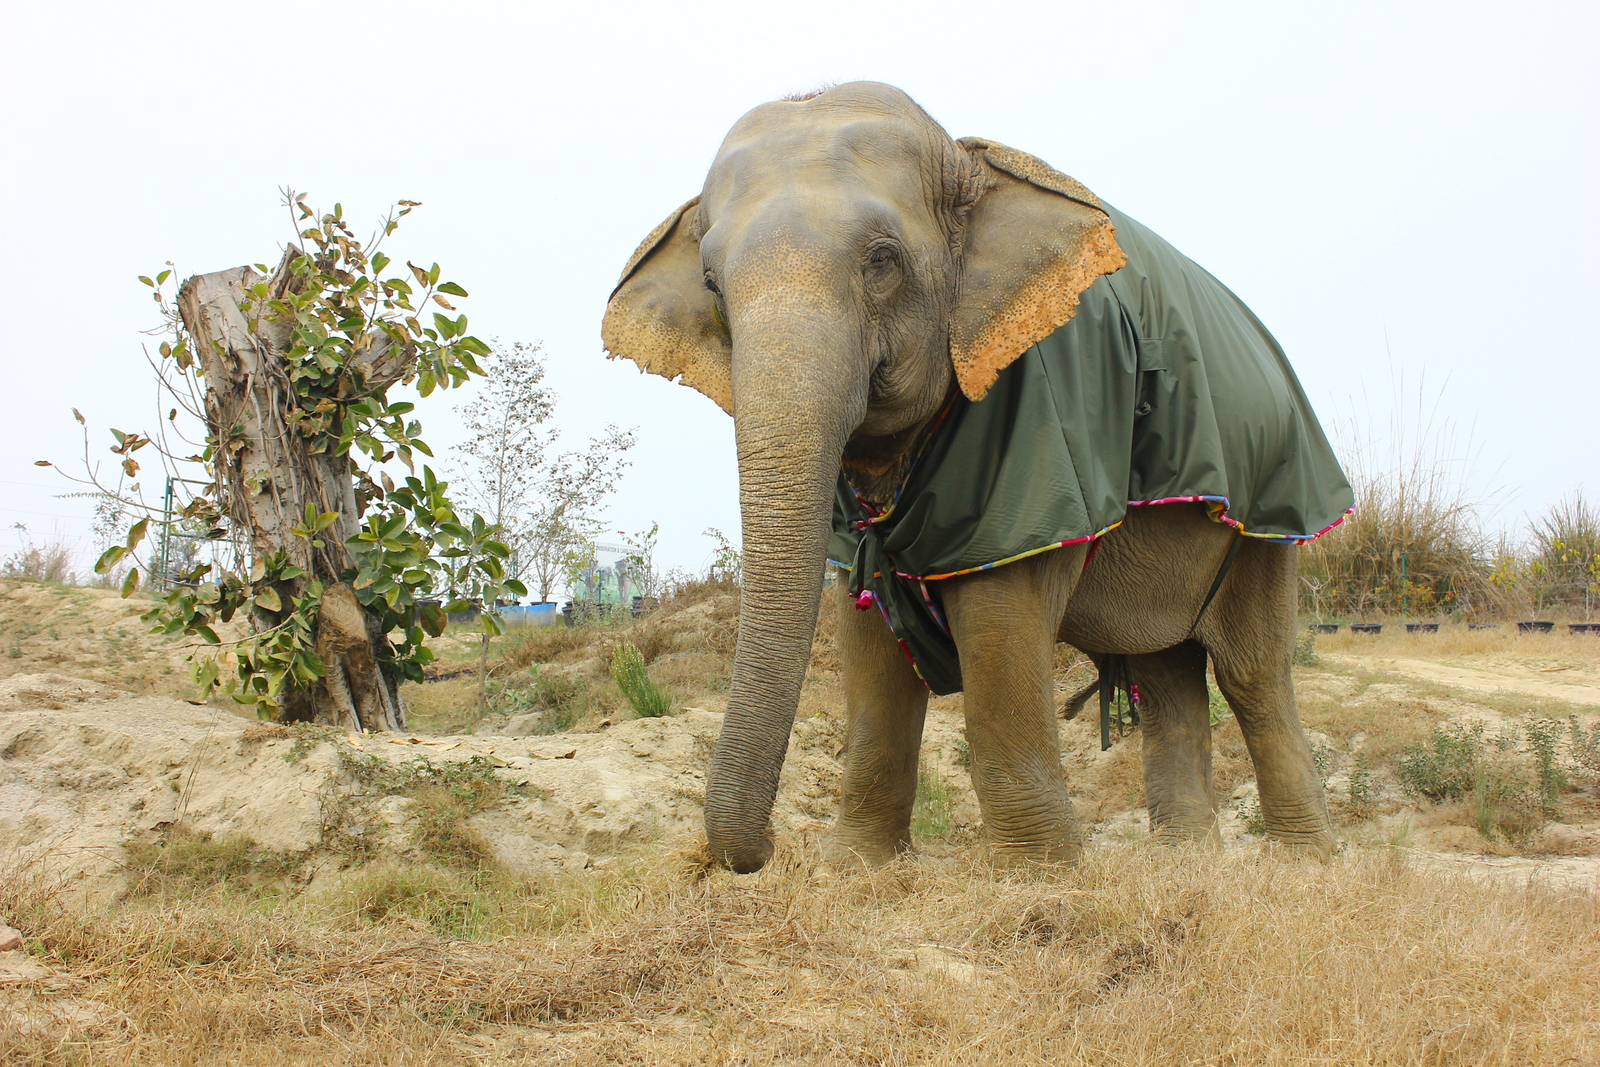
{"type": "Point", "coordinates": [547, 503]}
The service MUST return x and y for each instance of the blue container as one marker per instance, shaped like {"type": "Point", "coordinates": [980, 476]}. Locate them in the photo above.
{"type": "Point", "coordinates": [531, 615]}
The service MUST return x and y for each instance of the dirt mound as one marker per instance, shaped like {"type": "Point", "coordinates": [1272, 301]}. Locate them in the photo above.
{"type": "Point", "coordinates": [85, 767]}
{"type": "Point", "coordinates": [86, 633]}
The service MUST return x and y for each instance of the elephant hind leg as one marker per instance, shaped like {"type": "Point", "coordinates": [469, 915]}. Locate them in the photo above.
{"type": "Point", "coordinates": [1250, 635]}
{"type": "Point", "coordinates": [1175, 725]}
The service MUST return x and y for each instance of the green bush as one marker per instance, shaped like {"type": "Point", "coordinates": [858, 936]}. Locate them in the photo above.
{"type": "Point", "coordinates": [628, 669]}
{"type": "Point", "coordinates": [1451, 766]}
{"type": "Point", "coordinates": [1513, 788]}
{"type": "Point", "coordinates": [1305, 650]}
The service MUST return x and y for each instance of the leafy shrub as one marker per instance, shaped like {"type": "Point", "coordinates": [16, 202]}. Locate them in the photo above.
{"type": "Point", "coordinates": [628, 669]}
{"type": "Point", "coordinates": [1584, 746]}
{"type": "Point", "coordinates": [1512, 788]}
{"type": "Point", "coordinates": [1544, 738]}
{"type": "Point", "coordinates": [1453, 765]}
{"type": "Point", "coordinates": [1305, 650]}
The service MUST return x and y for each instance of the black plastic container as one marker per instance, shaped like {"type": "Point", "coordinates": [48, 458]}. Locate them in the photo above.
{"type": "Point", "coordinates": [1483, 626]}
{"type": "Point", "coordinates": [1536, 627]}
{"type": "Point", "coordinates": [1584, 627]}
{"type": "Point", "coordinates": [1422, 627]}
{"type": "Point", "coordinates": [1366, 627]}
{"type": "Point", "coordinates": [1326, 627]}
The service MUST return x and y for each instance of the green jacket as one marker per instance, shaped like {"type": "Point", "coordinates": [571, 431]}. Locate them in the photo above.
{"type": "Point", "coordinates": [1162, 388]}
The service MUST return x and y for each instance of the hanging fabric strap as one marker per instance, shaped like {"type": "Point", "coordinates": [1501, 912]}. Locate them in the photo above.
{"type": "Point", "coordinates": [1222, 572]}
{"type": "Point", "coordinates": [1114, 675]}
{"type": "Point", "coordinates": [1114, 668]}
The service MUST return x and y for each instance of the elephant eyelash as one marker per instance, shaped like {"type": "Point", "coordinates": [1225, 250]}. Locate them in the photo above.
{"type": "Point", "coordinates": [882, 254]}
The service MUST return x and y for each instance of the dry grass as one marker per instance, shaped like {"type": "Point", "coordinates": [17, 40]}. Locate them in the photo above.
{"type": "Point", "coordinates": [1413, 546]}
{"type": "Point", "coordinates": [1504, 642]}
{"type": "Point", "coordinates": [1138, 956]}
{"type": "Point", "coordinates": [1563, 565]}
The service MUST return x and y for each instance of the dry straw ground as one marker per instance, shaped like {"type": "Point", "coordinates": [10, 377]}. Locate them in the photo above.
{"type": "Point", "coordinates": [1141, 955]}
{"type": "Point", "coordinates": [1395, 953]}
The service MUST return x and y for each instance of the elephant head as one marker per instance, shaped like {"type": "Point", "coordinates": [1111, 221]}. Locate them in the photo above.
{"type": "Point", "coordinates": [846, 267]}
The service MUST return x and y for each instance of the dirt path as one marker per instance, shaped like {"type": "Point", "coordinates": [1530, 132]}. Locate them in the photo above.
{"type": "Point", "coordinates": [1572, 685]}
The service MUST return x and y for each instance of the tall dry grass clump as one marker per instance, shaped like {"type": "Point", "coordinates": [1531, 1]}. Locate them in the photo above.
{"type": "Point", "coordinates": [1412, 546]}
{"type": "Point", "coordinates": [1562, 565]}
{"type": "Point", "coordinates": [1415, 543]}
{"type": "Point", "coordinates": [50, 562]}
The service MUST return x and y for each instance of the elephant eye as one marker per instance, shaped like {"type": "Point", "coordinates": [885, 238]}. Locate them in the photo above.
{"type": "Point", "coordinates": [711, 284]}
{"type": "Point", "coordinates": [881, 256]}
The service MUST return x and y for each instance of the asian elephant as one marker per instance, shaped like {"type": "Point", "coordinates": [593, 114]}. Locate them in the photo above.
{"type": "Point", "coordinates": [859, 290]}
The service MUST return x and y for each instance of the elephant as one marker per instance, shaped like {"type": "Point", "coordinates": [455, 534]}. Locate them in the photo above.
{"type": "Point", "coordinates": [849, 284]}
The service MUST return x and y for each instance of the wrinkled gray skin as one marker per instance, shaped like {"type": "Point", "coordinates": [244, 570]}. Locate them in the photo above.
{"type": "Point", "coordinates": [832, 244]}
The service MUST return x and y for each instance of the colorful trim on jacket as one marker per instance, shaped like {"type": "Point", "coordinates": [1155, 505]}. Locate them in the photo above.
{"type": "Point", "coordinates": [1216, 511]}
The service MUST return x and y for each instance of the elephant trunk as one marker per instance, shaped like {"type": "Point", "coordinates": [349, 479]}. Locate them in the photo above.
{"type": "Point", "coordinates": [791, 425]}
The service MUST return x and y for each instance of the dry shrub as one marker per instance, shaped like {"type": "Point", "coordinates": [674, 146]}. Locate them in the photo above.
{"type": "Point", "coordinates": [523, 645]}
{"type": "Point", "coordinates": [1563, 565]}
{"type": "Point", "coordinates": [50, 562]}
{"type": "Point", "coordinates": [1412, 546]}
{"type": "Point", "coordinates": [1138, 956]}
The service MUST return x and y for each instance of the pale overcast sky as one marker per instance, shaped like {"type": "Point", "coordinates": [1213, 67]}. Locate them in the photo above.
{"type": "Point", "coordinates": [1397, 189]}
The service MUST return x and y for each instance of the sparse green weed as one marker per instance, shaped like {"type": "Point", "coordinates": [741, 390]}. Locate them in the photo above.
{"type": "Point", "coordinates": [307, 736]}
{"type": "Point", "coordinates": [931, 816]}
{"type": "Point", "coordinates": [183, 862]}
{"type": "Point", "coordinates": [628, 670]}
{"type": "Point", "coordinates": [445, 796]}
{"type": "Point", "coordinates": [1360, 786]}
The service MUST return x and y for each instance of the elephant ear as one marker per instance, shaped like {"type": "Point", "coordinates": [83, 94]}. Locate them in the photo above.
{"type": "Point", "coordinates": [662, 317]}
{"type": "Point", "coordinates": [1035, 240]}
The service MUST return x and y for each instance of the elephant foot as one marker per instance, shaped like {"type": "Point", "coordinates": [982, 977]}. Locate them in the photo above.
{"type": "Point", "coordinates": [1184, 820]}
{"type": "Point", "coordinates": [1316, 846]}
{"type": "Point", "coordinates": [1013, 856]}
{"type": "Point", "coordinates": [1206, 835]}
{"type": "Point", "coordinates": [844, 851]}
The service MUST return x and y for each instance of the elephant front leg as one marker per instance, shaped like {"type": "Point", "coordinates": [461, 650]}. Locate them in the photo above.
{"type": "Point", "coordinates": [885, 705]}
{"type": "Point", "coordinates": [1175, 724]}
{"type": "Point", "coordinates": [1004, 623]}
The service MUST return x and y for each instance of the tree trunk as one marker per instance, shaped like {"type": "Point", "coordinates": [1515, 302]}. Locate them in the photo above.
{"type": "Point", "coordinates": [266, 477]}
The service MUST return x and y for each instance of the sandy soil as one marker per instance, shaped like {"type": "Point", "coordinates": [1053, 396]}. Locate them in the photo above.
{"type": "Point", "coordinates": [97, 745]}
{"type": "Point", "coordinates": [1565, 683]}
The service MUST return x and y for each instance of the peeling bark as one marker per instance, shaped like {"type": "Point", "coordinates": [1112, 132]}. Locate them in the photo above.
{"type": "Point", "coordinates": [266, 476]}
